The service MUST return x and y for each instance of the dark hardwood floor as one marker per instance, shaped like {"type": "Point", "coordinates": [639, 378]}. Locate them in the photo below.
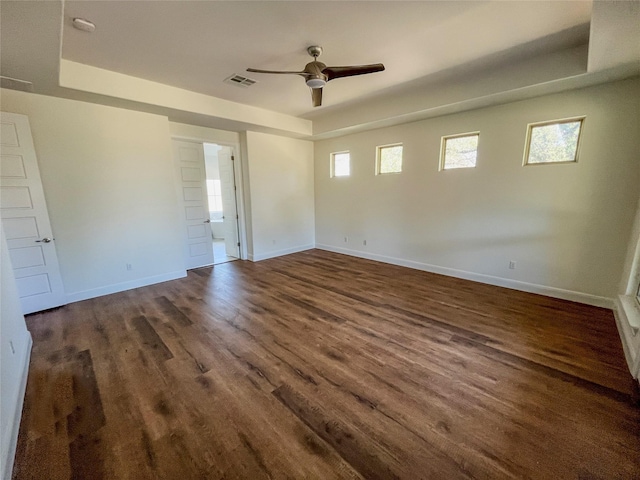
{"type": "Point", "coordinates": [321, 366]}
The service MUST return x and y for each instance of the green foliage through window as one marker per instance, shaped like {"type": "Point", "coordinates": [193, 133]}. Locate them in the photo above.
{"type": "Point", "coordinates": [390, 159]}
{"type": "Point", "coordinates": [555, 142]}
{"type": "Point", "coordinates": [460, 152]}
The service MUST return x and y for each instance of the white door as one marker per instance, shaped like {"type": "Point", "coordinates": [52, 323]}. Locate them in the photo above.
{"type": "Point", "coordinates": [229, 207]}
{"type": "Point", "coordinates": [25, 219]}
{"type": "Point", "coordinates": [189, 159]}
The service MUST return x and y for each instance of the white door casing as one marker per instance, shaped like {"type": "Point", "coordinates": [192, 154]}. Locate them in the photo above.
{"type": "Point", "coordinates": [25, 218]}
{"type": "Point", "coordinates": [189, 160]}
{"type": "Point", "coordinates": [228, 190]}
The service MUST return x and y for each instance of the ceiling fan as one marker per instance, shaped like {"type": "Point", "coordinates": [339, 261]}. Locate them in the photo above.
{"type": "Point", "coordinates": [317, 74]}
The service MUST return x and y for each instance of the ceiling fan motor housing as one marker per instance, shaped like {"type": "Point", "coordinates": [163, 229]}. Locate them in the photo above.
{"type": "Point", "coordinates": [315, 77]}
{"type": "Point", "coordinates": [317, 74]}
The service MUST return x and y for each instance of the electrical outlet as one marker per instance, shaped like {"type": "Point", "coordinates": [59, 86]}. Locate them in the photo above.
{"type": "Point", "coordinates": [512, 265]}
{"type": "Point", "coordinates": [364, 242]}
{"type": "Point", "coordinates": [129, 266]}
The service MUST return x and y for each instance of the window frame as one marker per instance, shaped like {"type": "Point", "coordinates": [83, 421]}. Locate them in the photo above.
{"type": "Point", "coordinates": [443, 149]}
{"type": "Point", "coordinates": [531, 126]}
{"type": "Point", "coordinates": [379, 149]}
{"type": "Point", "coordinates": [332, 164]}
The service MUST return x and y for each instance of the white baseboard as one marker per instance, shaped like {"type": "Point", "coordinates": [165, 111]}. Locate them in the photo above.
{"type": "Point", "coordinates": [279, 253]}
{"type": "Point", "coordinates": [121, 287]}
{"type": "Point", "coordinates": [479, 277]}
{"type": "Point", "coordinates": [14, 423]}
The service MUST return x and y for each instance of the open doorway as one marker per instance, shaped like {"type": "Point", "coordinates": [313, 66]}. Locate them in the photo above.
{"type": "Point", "coordinates": [222, 202]}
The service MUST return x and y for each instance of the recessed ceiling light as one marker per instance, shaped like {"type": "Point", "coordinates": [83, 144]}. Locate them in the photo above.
{"type": "Point", "coordinates": [84, 25]}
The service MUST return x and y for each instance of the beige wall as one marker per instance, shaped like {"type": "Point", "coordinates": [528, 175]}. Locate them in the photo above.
{"type": "Point", "coordinates": [203, 134]}
{"type": "Point", "coordinates": [108, 179]}
{"type": "Point", "coordinates": [567, 226]}
{"type": "Point", "coordinates": [280, 176]}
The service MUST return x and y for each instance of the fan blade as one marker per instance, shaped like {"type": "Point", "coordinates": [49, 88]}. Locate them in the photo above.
{"type": "Point", "coordinates": [255, 70]}
{"type": "Point", "coordinates": [316, 96]}
{"type": "Point", "coordinates": [339, 72]}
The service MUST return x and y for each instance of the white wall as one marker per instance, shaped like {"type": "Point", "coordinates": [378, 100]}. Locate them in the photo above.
{"type": "Point", "coordinates": [15, 349]}
{"type": "Point", "coordinates": [566, 226]}
{"type": "Point", "coordinates": [108, 179]}
{"type": "Point", "coordinates": [280, 177]}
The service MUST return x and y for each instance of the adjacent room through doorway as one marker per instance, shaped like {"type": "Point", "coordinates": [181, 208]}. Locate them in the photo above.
{"type": "Point", "coordinates": [223, 211]}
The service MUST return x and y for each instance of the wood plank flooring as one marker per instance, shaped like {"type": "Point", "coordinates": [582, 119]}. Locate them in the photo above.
{"type": "Point", "coordinates": [322, 366]}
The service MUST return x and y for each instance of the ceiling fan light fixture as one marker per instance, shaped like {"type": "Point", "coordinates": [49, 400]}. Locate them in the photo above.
{"type": "Point", "coordinates": [316, 82]}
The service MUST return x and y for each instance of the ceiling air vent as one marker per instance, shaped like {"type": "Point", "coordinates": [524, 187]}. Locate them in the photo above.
{"type": "Point", "coordinates": [239, 80]}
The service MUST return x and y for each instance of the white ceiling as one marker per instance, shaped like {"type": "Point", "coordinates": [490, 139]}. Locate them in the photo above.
{"type": "Point", "coordinates": [196, 45]}
{"type": "Point", "coordinates": [442, 57]}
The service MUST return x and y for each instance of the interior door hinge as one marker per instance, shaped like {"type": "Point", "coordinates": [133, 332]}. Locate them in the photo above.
{"type": "Point", "coordinates": [238, 243]}
{"type": "Point", "coordinates": [232, 158]}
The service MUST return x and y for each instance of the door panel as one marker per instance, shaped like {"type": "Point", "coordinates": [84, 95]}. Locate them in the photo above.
{"type": "Point", "coordinates": [27, 257]}
{"type": "Point", "coordinates": [197, 231]}
{"type": "Point", "coordinates": [17, 228]}
{"type": "Point", "coordinates": [25, 219]}
{"type": "Point", "coordinates": [198, 246]}
{"type": "Point", "coordinates": [228, 190]}
{"type": "Point", "coordinates": [15, 197]}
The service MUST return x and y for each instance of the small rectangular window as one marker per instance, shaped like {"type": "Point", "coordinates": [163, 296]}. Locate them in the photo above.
{"type": "Point", "coordinates": [340, 164]}
{"type": "Point", "coordinates": [556, 141]}
{"type": "Point", "coordinates": [389, 159]}
{"type": "Point", "coordinates": [459, 151]}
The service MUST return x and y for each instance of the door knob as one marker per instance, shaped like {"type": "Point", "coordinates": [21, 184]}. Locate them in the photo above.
{"type": "Point", "coordinates": [44, 240]}
{"type": "Point", "coordinates": [207, 220]}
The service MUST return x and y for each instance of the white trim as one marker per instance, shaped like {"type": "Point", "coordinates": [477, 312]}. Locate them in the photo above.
{"type": "Point", "coordinates": [625, 313]}
{"type": "Point", "coordinates": [279, 253]}
{"type": "Point", "coordinates": [571, 295]}
{"type": "Point", "coordinates": [14, 425]}
{"type": "Point", "coordinates": [121, 287]}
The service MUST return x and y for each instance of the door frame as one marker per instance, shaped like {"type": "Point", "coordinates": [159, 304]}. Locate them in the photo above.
{"type": "Point", "coordinates": [239, 175]}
